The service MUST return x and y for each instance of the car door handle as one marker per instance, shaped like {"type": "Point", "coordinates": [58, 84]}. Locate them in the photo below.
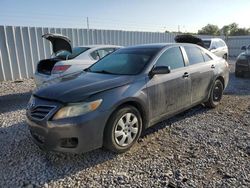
{"type": "Point", "coordinates": [185, 75]}
{"type": "Point", "coordinates": [212, 66]}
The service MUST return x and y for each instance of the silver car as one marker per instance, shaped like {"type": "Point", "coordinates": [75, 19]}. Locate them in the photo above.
{"type": "Point", "coordinates": [217, 46]}
{"type": "Point", "coordinates": [66, 60]}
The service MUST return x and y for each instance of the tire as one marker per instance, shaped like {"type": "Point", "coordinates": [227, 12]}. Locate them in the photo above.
{"type": "Point", "coordinates": [215, 94]}
{"type": "Point", "coordinates": [126, 122]}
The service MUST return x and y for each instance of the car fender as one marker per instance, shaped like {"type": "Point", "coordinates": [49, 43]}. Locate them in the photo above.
{"type": "Point", "coordinates": [221, 71]}
{"type": "Point", "coordinates": [133, 93]}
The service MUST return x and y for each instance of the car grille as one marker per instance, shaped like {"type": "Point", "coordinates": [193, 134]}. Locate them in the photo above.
{"type": "Point", "coordinates": [40, 112]}
{"type": "Point", "coordinates": [242, 62]}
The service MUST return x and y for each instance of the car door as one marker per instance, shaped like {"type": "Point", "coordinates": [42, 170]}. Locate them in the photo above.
{"type": "Point", "coordinates": [169, 93]}
{"type": "Point", "coordinates": [201, 71]}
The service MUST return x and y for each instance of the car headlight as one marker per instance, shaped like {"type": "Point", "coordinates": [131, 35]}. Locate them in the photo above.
{"type": "Point", "coordinates": [76, 109]}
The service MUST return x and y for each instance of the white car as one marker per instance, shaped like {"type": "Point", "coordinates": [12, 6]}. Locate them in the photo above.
{"type": "Point", "coordinates": [66, 60]}
{"type": "Point", "coordinates": [217, 46]}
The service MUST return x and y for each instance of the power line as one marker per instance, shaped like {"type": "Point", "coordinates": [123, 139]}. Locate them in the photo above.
{"type": "Point", "coordinates": [95, 22]}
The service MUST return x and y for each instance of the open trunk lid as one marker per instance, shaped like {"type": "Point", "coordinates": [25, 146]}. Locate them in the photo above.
{"type": "Point", "coordinates": [59, 42]}
{"type": "Point", "coordinates": [189, 39]}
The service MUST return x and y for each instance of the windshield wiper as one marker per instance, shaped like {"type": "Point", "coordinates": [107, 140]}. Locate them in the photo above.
{"type": "Point", "coordinates": [86, 70]}
{"type": "Point", "coordinates": [101, 71]}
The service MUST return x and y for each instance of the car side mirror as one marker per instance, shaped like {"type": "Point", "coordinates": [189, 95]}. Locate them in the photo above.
{"type": "Point", "coordinates": [159, 70]}
{"type": "Point", "coordinates": [243, 48]}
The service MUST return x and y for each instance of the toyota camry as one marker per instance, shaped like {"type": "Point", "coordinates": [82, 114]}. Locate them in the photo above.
{"type": "Point", "coordinates": [110, 103]}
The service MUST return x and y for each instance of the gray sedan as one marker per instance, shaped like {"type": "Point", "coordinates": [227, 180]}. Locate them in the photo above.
{"type": "Point", "coordinates": [113, 101]}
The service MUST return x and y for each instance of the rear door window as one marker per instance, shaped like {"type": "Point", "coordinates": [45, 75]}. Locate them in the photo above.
{"type": "Point", "coordinates": [207, 43]}
{"type": "Point", "coordinates": [206, 57]}
{"type": "Point", "coordinates": [106, 51]}
{"type": "Point", "coordinates": [217, 44]}
{"type": "Point", "coordinates": [221, 44]}
{"type": "Point", "coordinates": [171, 57]}
{"type": "Point", "coordinates": [194, 55]}
{"type": "Point", "coordinates": [75, 52]}
{"type": "Point", "coordinates": [98, 54]}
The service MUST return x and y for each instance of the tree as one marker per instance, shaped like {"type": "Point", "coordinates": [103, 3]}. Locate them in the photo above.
{"type": "Point", "coordinates": [209, 29]}
{"type": "Point", "coordinates": [241, 31]}
{"type": "Point", "coordinates": [233, 30]}
{"type": "Point", "coordinates": [225, 30]}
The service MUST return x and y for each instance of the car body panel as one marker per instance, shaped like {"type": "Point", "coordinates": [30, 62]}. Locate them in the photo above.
{"type": "Point", "coordinates": [168, 93]}
{"type": "Point", "coordinates": [59, 42]}
{"type": "Point", "coordinates": [201, 75]}
{"type": "Point", "coordinates": [48, 134]}
{"type": "Point", "coordinates": [77, 86]}
{"type": "Point", "coordinates": [242, 64]}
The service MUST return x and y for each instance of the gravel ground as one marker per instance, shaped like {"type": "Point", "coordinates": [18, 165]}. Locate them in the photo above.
{"type": "Point", "coordinates": [198, 148]}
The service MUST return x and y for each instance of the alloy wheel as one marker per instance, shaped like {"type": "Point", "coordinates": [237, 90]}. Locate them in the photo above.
{"type": "Point", "coordinates": [126, 129]}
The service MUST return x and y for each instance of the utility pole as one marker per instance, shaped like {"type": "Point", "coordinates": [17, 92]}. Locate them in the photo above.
{"type": "Point", "coordinates": [88, 23]}
{"type": "Point", "coordinates": [88, 30]}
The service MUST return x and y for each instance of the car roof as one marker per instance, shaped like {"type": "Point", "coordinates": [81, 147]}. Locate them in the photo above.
{"type": "Point", "coordinates": [99, 46]}
{"type": "Point", "coordinates": [153, 45]}
{"type": "Point", "coordinates": [159, 45]}
{"type": "Point", "coordinates": [215, 39]}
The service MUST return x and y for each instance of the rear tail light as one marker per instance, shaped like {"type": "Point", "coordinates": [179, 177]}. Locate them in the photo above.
{"type": "Point", "coordinates": [60, 69]}
{"type": "Point", "coordinates": [227, 64]}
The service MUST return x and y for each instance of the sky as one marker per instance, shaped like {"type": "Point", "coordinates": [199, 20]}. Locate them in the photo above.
{"type": "Point", "coordinates": [131, 15]}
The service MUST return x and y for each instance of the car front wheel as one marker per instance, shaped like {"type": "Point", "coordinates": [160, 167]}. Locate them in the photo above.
{"type": "Point", "coordinates": [123, 129]}
{"type": "Point", "coordinates": [215, 94]}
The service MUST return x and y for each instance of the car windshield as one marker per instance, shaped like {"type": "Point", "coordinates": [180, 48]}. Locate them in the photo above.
{"type": "Point", "coordinates": [125, 61]}
{"type": "Point", "coordinates": [207, 43]}
{"type": "Point", "coordinates": [75, 52]}
{"type": "Point", "coordinates": [243, 57]}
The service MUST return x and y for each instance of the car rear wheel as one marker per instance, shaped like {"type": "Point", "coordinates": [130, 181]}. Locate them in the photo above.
{"type": "Point", "coordinates": [215, 95]}
{"type": "Point", "coordinates": [123, 129]}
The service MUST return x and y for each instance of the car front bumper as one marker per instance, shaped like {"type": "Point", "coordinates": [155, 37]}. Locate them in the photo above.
{"type": "Point", "coordinates": [242, 67]}
{"type": "Point", "coordinates": [75, 135]}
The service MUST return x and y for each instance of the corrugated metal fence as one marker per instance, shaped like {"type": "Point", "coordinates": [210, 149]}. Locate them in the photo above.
{"type": "Point", "coordinates": [235, 43]}
{"type": "Point", "coordinates": [22, 47]}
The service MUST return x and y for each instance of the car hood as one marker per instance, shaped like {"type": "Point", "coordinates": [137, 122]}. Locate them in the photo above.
{"type": "Point", "coordinates": [59, 42]}
{"type": "Point", "coordinates": [246, 53]}
{"type": "Point", "coordinates": [79, 86]}
{"type": "Point", "coordinates": [189, 39]}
